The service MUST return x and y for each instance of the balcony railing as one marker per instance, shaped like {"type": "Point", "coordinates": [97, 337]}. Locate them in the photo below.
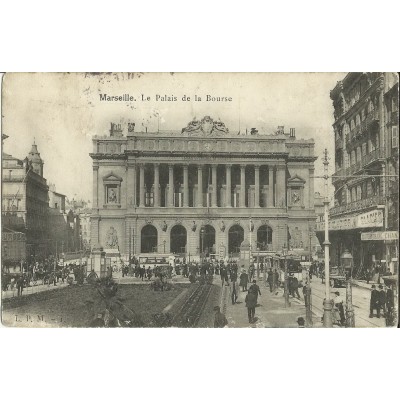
{"type": "Point", "coordinates": [374, 155]}
{"type": "Point", "coordinates": [358, 205]}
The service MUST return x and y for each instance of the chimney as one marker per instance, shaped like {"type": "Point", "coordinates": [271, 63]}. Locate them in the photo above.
{"type": "Point", "coordinates": [293, 133]}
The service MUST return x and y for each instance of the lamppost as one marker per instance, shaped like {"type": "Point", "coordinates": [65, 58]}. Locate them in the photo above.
{"type": "Point", "coordinates": [347, 263]}
{"type": "Point", "coordinates": [307, 297]}
{"type": "Point", "coordinates": [164, 245]}
{"type": "Point", "coordinates": [286, 286]}
{"type": "Point", "coordinates": [328, 304]}
{"type": "Point", "coordinates": [202, 244]}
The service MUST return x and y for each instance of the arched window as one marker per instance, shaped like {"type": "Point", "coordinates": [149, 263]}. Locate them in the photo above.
{"type": "Point", "coordinates": [178, 239]}
{"type": "Point", "coordinates": [149, 239]}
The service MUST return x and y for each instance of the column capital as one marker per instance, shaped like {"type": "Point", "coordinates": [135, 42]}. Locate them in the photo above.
{"type": "Point", "coordinates": [256, 166]}
{"type": "Point", "coordinates": [228, 165]}
{"type": "Point", "coordinates": [171, 166]}
{"type": "Point", "coordinates": [200, 166]}
{"type": "Point", "coordinates": [95, 167]}
{"type": "Point", "coordinates": [185, 166]}
{"type": "Point", "coordinates": [156, 164]}
{"type": "Point", "coordinates": [243, 166]}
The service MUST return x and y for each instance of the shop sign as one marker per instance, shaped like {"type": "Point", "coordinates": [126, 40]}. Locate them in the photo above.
{"type": "Point", "coordinates": [370, 219]}
{"type": "Point", "coordinates": [388, 235]}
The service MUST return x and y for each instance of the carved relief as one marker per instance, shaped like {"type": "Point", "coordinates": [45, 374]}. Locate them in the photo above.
{"type": "Point", "coordinates": [112, 238]}
{"type": "Point", "coordinates": [296, 238]}
{"type": "Point", "coordinates": [206, 127]}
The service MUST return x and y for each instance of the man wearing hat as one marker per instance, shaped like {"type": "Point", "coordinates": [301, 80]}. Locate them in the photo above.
{"type": "Point", "coordinates": [220, 320]}
{"type": "Point", "coordinates": [254, 288]}
{"type": "Point", "coordinates": [301, 322]}
{"type": "Point", "coordinates": [374, 302]}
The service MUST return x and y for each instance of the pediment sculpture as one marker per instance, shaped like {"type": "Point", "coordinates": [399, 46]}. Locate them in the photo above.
{"type": "Point", "coordinates": [206, 127]}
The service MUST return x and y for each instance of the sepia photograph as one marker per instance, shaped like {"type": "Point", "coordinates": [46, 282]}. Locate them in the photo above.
{"type": "Point", "coordinates": [200, 200]}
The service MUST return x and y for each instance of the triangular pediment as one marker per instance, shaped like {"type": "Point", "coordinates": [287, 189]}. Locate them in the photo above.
{"type": "Point", "coordinates": [296, 179]}
{"type": "Point", "coordinates": [111, 177]}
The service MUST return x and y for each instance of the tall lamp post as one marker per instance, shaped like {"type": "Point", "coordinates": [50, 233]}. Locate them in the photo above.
{"type": "Point", "coordinates": [328, 304]}
{"type": "Point", "coordinates": [202, 244]}
{"type": "Point", "coordinates": [307, 297]}
{"type": "Point", "coordinates": [347, 263]}
{"type": "Point", "coordinates": [286, 285]}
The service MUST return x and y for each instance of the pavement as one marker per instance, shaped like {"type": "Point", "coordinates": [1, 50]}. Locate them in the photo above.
{"type": "Point", "coordinates": [270, 311]}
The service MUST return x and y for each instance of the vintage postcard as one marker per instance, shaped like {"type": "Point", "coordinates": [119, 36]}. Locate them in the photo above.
{"type": "Point", "coordinates": [221, 200]}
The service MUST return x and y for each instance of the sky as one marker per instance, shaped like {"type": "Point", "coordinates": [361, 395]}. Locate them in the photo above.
{"type": "Point", "coordinates": [62, 112]}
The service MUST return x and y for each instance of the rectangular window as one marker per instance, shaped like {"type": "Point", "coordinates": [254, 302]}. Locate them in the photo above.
{"type": "Point", "coordinates": [395, 137]}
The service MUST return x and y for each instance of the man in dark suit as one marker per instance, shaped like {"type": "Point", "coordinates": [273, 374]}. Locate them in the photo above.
{"type": "Point", "coordinates": [251, 302]}
{"type": "Point", "coordinates": [254, 288]}
{"type": "Point", "coordinates": [374, 302]}
{"type": "Point", "coordinates": [270, 280]}
{"type": "Point", "coordinates": [382, 301]}
{"type": "Point", "coordinates": [294, 286]}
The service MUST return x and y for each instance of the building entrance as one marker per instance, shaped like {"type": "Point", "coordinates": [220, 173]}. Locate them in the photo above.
{"type": "Point", "coordinates": [264, 237]}
{"type": "Point", "coordinates": [178, 239]}
{"type": "Point", "coordinates": [207, 240]}
{"type": "Point", "coordinates": [149, 239]}
{"type": "Point", "coordinates": [235, 239]}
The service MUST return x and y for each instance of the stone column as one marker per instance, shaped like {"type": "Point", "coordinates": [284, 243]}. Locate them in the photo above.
{"type": "Point", "coordinates": [228, 186]}
{"type": "Point", "coordinates": [185, 186]}
{"type": "Point", "coordinates": [242, 186]}
{"type": "Point", "coordinates": [171, 186]}
{"type": "Point", "coordinates": [142, 187]}
{"type": "Point", "coordinates": [281, 186]}
{"type": "Point", "coordinates": [95, 186]}
{"type": "Point", "coordinates": [199, 186]}
{"type": "Point", "coordinates": [270, 202]}
{"type": "Point", "coordinates": [257, 185]}
{"type": "Point", "coordinates": [156, 185]}
{"type": "Point", "coordinates": [130, 186]}
{"type": "Point", "coordinates": [214, 183]}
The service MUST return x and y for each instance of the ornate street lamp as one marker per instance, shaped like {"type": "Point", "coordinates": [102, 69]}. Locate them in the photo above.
{"type": "Point", "coordinates": [347, 263]}
{"type": "Point", "coordinates": [286, 283]}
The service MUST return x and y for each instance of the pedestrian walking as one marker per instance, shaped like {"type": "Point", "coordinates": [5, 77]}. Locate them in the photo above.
{"type": "Point", "coordinates": [20, 285]}
{"type": "Point", "coordinates": [244, 279]}
{"type": "Point", "coordinates": [233, 288]}
{"type": "Point", "coordinates": [294, 286]}
{"type": "Point", "coordinates": [251, 302]}
{"type": "Point", "coordinates": [276, 279]}
{"type": "Point", "coordinates": [374, 302]}
{"type": "Point", "coordinates": [220, 320]}
{"type": "Point", "coordinates": [270, 280]}
{"type": "Point", "coordinates": [254, 288]}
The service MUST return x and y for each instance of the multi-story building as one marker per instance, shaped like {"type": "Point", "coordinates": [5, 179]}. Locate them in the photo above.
{"type": "Point", "coordinates": [365, 179]}
{"type": "Point", "coordinates": [201, 189]}
{"type": "Point", "coordinates": [25, 206]}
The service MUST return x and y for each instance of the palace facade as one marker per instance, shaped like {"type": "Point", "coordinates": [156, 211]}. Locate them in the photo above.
{"type": "Point", "coordinates": [201, 190]}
